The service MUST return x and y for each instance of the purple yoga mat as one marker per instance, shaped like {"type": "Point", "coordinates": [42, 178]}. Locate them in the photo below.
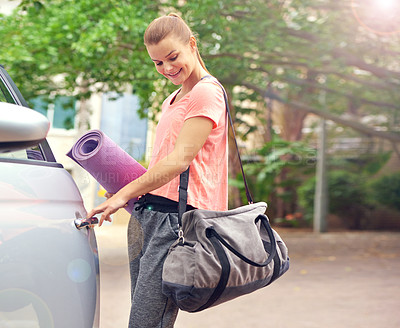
{"type": "Point", "coordinates": [108, 163]}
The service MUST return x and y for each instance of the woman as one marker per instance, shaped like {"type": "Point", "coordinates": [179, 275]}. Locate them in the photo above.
{"type": "Point", "coordinates": [192, 132]}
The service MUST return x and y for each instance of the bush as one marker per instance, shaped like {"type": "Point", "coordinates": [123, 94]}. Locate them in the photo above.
{"type": "Point", "coordinates": [274, 174]}
{"type": "Point", "coordinates": [346, 197]}
{"type": "Point", "coordinates": [386, 190]}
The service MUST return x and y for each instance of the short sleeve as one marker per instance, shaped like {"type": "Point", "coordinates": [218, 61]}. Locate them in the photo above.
{"type": "Point", "coordinates": [206, 100]}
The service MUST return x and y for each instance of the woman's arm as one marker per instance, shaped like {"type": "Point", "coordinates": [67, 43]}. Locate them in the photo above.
{"type": "Point", "coordinates": [190, 140]}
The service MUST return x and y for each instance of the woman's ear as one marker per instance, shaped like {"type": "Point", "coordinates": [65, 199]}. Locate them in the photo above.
{"type": "Point", "coordinates": [193, 43]}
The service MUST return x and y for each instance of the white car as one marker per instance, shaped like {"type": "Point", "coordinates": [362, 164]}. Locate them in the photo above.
{"type": "Point", "coordinates": [49, 269]}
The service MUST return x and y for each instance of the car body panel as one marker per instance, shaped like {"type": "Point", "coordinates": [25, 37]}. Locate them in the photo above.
{"type": "Point", "coordinates": [45, 262]}
{"type": "Point", "coordinates": [49, 270]}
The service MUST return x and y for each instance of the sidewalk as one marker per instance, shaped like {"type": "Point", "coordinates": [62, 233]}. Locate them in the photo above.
{"type": "Point", "coordinates": [341, 279]}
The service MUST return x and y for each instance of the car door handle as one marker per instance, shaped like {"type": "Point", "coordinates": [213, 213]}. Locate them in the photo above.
{"type": "Point", "coordinates": [85, 222]}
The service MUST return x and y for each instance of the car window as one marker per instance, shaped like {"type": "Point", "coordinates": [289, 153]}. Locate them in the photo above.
{"type": "Point", "coordinates": [5, 95]}
{"type": "Point", "coordinates": [31, 153]}
{"type": "Point", "coordinates": [2, 97]}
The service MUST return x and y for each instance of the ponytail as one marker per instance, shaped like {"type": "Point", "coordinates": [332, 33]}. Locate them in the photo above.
{"type": "Point", "coordinates": [163, 26]}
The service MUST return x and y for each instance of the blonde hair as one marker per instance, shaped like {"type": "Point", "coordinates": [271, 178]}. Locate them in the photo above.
{"type": "Point", "coordinates": [163, 26]}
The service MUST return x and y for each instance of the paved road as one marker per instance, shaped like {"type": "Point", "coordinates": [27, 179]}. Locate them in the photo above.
{"type": "Point", "coordinates": [336, 280]}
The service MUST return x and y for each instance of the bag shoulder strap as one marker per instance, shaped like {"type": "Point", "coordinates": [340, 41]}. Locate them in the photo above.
{"type": "Point", "coordinates": [248, 194]}
{"type": "Point", "coordinates": [184, 177]}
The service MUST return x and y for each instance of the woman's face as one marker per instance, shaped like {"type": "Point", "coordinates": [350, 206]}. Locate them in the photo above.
{"type": "Point", "coordinates": [174, 59]}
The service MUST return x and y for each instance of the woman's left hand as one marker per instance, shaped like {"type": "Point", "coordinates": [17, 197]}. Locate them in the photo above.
{"type": "Point", "coordinates": [110, 206]}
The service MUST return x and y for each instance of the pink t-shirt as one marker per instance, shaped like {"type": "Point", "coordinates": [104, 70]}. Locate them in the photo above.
{"type": "Point", "coordinates": [208, 174]}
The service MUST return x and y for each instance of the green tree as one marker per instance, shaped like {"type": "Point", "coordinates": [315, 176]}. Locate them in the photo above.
{"type": "Point", "coordinates": [287, 51]}
{"type": "Point", "coordinates": [276, 172]}
{"type": "Point", "coordinates": [280, 54]}
{"type": "Point", "coordinates": [347, 198]}
{"type": "Point", "coordinates": [385, 190]}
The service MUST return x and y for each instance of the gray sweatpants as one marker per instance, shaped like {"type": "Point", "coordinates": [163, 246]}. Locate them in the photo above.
{"type": "Point", "coordinates": [150, 234]}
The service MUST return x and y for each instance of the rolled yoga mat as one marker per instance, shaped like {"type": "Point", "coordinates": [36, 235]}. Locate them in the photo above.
{"type": "Point", "coordinates": [108, 163]}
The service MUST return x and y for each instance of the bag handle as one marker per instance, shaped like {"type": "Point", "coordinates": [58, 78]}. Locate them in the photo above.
{"type": "Point", "coordinates": [217, 241]}
{"type": "Point", "coordinates": [211, 232]}
{"type": "Point", "coordinates": [184, 176]}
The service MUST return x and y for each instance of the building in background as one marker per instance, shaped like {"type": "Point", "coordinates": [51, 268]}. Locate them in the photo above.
{"type": "Point", "coordinates": [7, 6]}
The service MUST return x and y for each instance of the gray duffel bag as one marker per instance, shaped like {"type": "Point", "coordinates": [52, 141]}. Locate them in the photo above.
{"type": "Point", "coordinates": [222, 255]}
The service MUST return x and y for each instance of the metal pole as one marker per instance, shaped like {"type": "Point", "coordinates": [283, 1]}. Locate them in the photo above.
{"type": "Point", "coordinates": [321, 187]}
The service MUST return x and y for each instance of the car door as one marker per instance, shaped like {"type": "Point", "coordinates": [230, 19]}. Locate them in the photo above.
{"type": "Point", "coordinates": [49, 270]}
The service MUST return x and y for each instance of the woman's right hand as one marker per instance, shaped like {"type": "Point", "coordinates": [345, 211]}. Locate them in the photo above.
{"type": "Point", "coordinates": [109, 207]}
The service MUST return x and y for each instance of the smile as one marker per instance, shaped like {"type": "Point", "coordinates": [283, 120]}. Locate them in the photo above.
{"type": "Point", "coordinates": [175, 74]}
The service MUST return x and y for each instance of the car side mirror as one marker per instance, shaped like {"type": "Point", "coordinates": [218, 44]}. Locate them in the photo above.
{"type": "Point", "coordinates": [21, 127]}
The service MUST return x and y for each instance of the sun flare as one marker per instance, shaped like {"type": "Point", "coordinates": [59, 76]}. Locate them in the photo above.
{"type": "Point", "coordinates": [378, 16]}
{"type": "Point", "coordinates": [385, 4]}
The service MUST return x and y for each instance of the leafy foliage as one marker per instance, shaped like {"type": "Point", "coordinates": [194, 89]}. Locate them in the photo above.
{"type": "Point", "coordinates": [386, 190]}
{"type": "Point", "coordinates": [347, 196]}
{"type": "Point", "coordinates": [287, 51]}
{"type": "Point", "coordinates": [282, 55]}
{"type": "Point", "coordinates": [76, 47]}
{"type": "Point", "coordinates": [274, 158]}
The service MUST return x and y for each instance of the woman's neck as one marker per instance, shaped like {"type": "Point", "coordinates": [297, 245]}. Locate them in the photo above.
{"type": "Point", "coordinates": [193, 79]}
